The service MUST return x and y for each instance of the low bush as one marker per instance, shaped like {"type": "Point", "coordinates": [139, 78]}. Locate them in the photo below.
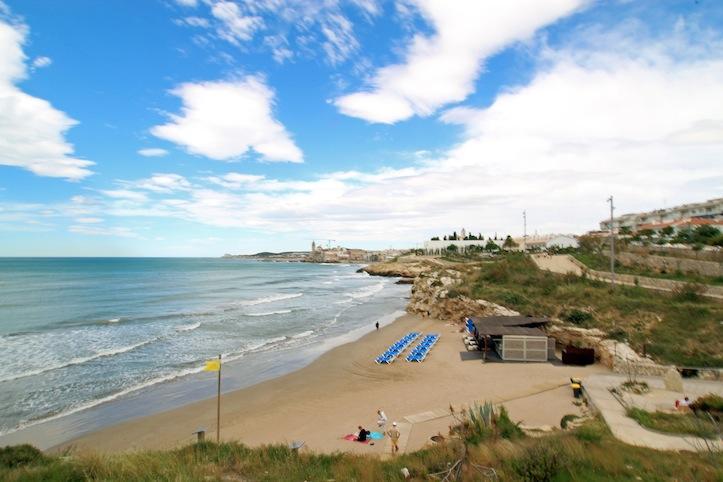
{"type": "Point", "coordinates": [710, 403]}
{"type": "Point", "coordinates": [689, 292]}
{"type": "Point", "coordinates": [590, 432]}
{"type": "Point", "coordinates": [541, 462]}
{"type": "Point", "coordinates": [577, 317]}
{"type": "Point", "coordinates": [20, 455]}
{"type": "Point", "coordinates": [567, 419]}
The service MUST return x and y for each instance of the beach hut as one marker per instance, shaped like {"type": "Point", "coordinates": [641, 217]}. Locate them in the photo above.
{"type": "Point", "coordinates": [515, 338]}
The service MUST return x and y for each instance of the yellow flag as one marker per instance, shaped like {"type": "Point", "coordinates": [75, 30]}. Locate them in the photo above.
{"type": "Point", "coordinates": [212, 366]}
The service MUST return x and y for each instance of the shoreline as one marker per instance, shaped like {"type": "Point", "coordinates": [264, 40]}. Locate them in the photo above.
{"type": "Point", "coordinates": [343, 387]}
{"type": "Point", "coordinates": [180, 392]}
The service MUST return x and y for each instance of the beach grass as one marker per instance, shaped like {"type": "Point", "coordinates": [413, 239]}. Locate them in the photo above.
{"type": "Point", "coordinates": [669, 328]}
{"type": "Point", "coordinates": [690, 423]}
{"type": "Point", "coordinates": [588, 453]}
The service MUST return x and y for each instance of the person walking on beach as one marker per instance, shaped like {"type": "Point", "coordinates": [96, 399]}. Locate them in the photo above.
{"type": "Point", "coordinates": [381, 418]}
{"type": "Point", "coordinates": [394, 437]}
{"type": "Point", "coordinates": [377, 325]}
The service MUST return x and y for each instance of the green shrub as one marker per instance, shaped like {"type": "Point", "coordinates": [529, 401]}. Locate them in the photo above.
{"type": "Point", "coordinates": [689, 291]}
{"type": "Point", "coordinates": [567, 419]}
{"type": "Point", "coordinates": [514, 299]}
{"type": "Point", "coordinates": [577, 317]}
{"type": "Point", "coordinates": [541, 462]}
{"type": "Point", "coordinates": [708, 403]}
{"type": "Point", "coordinates": [506, 427]}
{"type": "Point", "coordinates": [589, 432]}
{"type": "Point", "coordinates": [20, 455]}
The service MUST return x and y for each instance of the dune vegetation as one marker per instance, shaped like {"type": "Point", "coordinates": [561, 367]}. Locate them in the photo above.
{"type": "Point", "coordinates": [587, 453]}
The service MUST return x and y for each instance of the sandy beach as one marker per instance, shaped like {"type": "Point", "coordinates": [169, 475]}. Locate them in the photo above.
{"type": "Point", "coordinates": [343, 388]}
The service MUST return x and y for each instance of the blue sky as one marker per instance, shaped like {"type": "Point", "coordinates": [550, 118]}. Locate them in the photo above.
{"type": "Point", "coordinates": [199, 127]}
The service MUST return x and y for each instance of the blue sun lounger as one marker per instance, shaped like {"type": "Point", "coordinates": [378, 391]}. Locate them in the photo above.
{"type": "Point", "coordinates": [397, 348]}
{"type": "Point", "coordinates": [420, 352]}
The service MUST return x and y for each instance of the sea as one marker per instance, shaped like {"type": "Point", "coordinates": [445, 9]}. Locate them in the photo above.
{"type": "Point", "coordinates": [85, 342]}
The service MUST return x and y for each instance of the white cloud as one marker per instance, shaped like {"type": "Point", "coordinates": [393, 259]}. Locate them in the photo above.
{"type": "Point", "coordinates": [32, 132]}
{"type": "Point", "coordinates": [113, 231]}
{"type": "Point", "coordinates": [235, 26]}
{"type": "Point", "coordinates": [636, 122]}
{"type": "Point", "coordinates": [125, 195]}
{"type": "Point", "coordinates": [340, 41]}
{"type": "Point", "coordinates": [162, 183]}
{"type": "Point", "coordinates": [224, 120]}
{"type": "Point", "coordinates": [40, 62]}
{"type": "Point", "coordinates": [441, 69]}
{"type": "Point", "coordinates": [89, 220]}
{"type": "Point", "coordinates": [199, 22]}
{"type": "Point", "coordinates": [187, 3]}
{"type": "Point", "coordinates": [153, 152]}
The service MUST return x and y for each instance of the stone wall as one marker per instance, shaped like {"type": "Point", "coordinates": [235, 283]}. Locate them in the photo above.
{"type": "Point", "coordinates": [669, 264]}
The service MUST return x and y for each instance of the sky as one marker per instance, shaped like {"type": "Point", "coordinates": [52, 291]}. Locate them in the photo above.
{"type": "Point", "coordinates": [204, 127]}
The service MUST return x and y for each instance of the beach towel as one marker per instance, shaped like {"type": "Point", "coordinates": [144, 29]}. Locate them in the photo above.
{"type": "Point", "coordinates": [353, 438]}
{"type": "Point", "coordinates": [376, 435]}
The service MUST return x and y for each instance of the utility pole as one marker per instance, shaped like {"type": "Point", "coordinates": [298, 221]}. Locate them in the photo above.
{"type": "Point", "coordinates": [218, 404]}
{"type": "Point", "coordinates": [612, 242]}
{"type": "Point", "coordinates": [524, 235]}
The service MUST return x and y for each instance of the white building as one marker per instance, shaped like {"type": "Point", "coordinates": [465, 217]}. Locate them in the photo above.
{"type": "Point", "coordinates": [440, 246]}
{"type": "Point", "coordinates": [711, 209]}
{"type": "Point", "coordinates": [562, 241]}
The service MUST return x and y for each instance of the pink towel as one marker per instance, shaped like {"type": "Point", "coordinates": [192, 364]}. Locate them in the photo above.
{"type": "Point", "coordinates": [353, 438]}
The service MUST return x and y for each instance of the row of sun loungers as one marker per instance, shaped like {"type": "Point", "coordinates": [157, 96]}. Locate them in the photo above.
{"type": "Point", "coordinates": [397, 348]}
{"type": "Point", "coordinates": [420, 352]}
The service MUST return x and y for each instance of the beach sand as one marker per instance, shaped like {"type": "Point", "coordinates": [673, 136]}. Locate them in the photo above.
{"type": "Point", "coordinates": [343, 388]}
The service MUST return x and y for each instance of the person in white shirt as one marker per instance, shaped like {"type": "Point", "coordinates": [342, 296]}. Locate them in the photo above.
{"type": "Point", "coordinates": [382, 418]}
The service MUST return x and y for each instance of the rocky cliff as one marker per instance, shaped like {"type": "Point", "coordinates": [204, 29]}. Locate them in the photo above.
{"type": "Point", "coordinates": [434, 296]}
{"type": "Point", "coordinates": [401, 269]}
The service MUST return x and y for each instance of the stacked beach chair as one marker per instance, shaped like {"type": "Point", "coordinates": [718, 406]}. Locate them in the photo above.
{"type": "Point", "coordinates": [397, 348]}
{"type": "Point", "coordinates": [469, 340]}
{"type": "Point", "coordinates": [420, 352]}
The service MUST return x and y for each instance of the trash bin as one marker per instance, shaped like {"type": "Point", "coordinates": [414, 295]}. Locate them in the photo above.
{"type": "Point", "coordinates": [576, 390]}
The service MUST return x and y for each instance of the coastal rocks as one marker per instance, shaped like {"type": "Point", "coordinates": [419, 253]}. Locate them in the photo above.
{"type": "Point", "coordinates": [397, 269]}
{"type": "Point", "coordinates": [434, 295]}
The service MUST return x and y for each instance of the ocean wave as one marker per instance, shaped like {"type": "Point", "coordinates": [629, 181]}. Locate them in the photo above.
{"type": "Point", "coordinates": [98, 401]}
{"type": "Point", "coordinates": [78, 361]}
{"type": "Point", "coordinates": [189, 327]}
{"type": "Point", "coordinates": [269, 313]}
{"type": "Point", "coordinates": [366, 292]}
{"type": "Point", "coordinates": [304, 334]}
{"type": "Point", "coordinates": [113, 320]}
{"type": "Point", "coordinates": [271, 299]}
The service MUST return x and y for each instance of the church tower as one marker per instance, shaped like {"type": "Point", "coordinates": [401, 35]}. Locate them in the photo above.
{"type": "Point", "coordinates": [313, 246]}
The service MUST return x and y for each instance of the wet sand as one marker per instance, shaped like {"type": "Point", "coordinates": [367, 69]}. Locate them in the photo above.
{"type": "Point", "coordinates": [343, 388]}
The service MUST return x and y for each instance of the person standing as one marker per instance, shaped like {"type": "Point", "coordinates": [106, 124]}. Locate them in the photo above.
{"type": "Point", "coordinates": [377, 325]}
{"type": "Point", "coordinates": [394, 437]}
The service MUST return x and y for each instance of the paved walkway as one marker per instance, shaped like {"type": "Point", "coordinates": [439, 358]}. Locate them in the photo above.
{"type": "Point", "coordinates": [564, 263]}
{"type": "Point", "coordinates": [628, 430]}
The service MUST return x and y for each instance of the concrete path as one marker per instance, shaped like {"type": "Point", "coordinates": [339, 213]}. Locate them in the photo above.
{"type": "Point", "coordinates": [628, 430]}
{"type": "Point", "coordinates": [564, 263]}
{"type": "Point", "coordinates": [558, 263]}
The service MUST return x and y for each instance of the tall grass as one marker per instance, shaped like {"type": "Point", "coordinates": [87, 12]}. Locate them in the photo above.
{"type": "Point", "coordinates": [569, 455]}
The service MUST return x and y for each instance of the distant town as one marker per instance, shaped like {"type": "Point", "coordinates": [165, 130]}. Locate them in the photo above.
{"type": "Point", "coordinates": [696, 224]}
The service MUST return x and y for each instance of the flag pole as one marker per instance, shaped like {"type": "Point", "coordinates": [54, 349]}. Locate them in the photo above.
{"type": "Point", "coordinates": [218, 404]}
